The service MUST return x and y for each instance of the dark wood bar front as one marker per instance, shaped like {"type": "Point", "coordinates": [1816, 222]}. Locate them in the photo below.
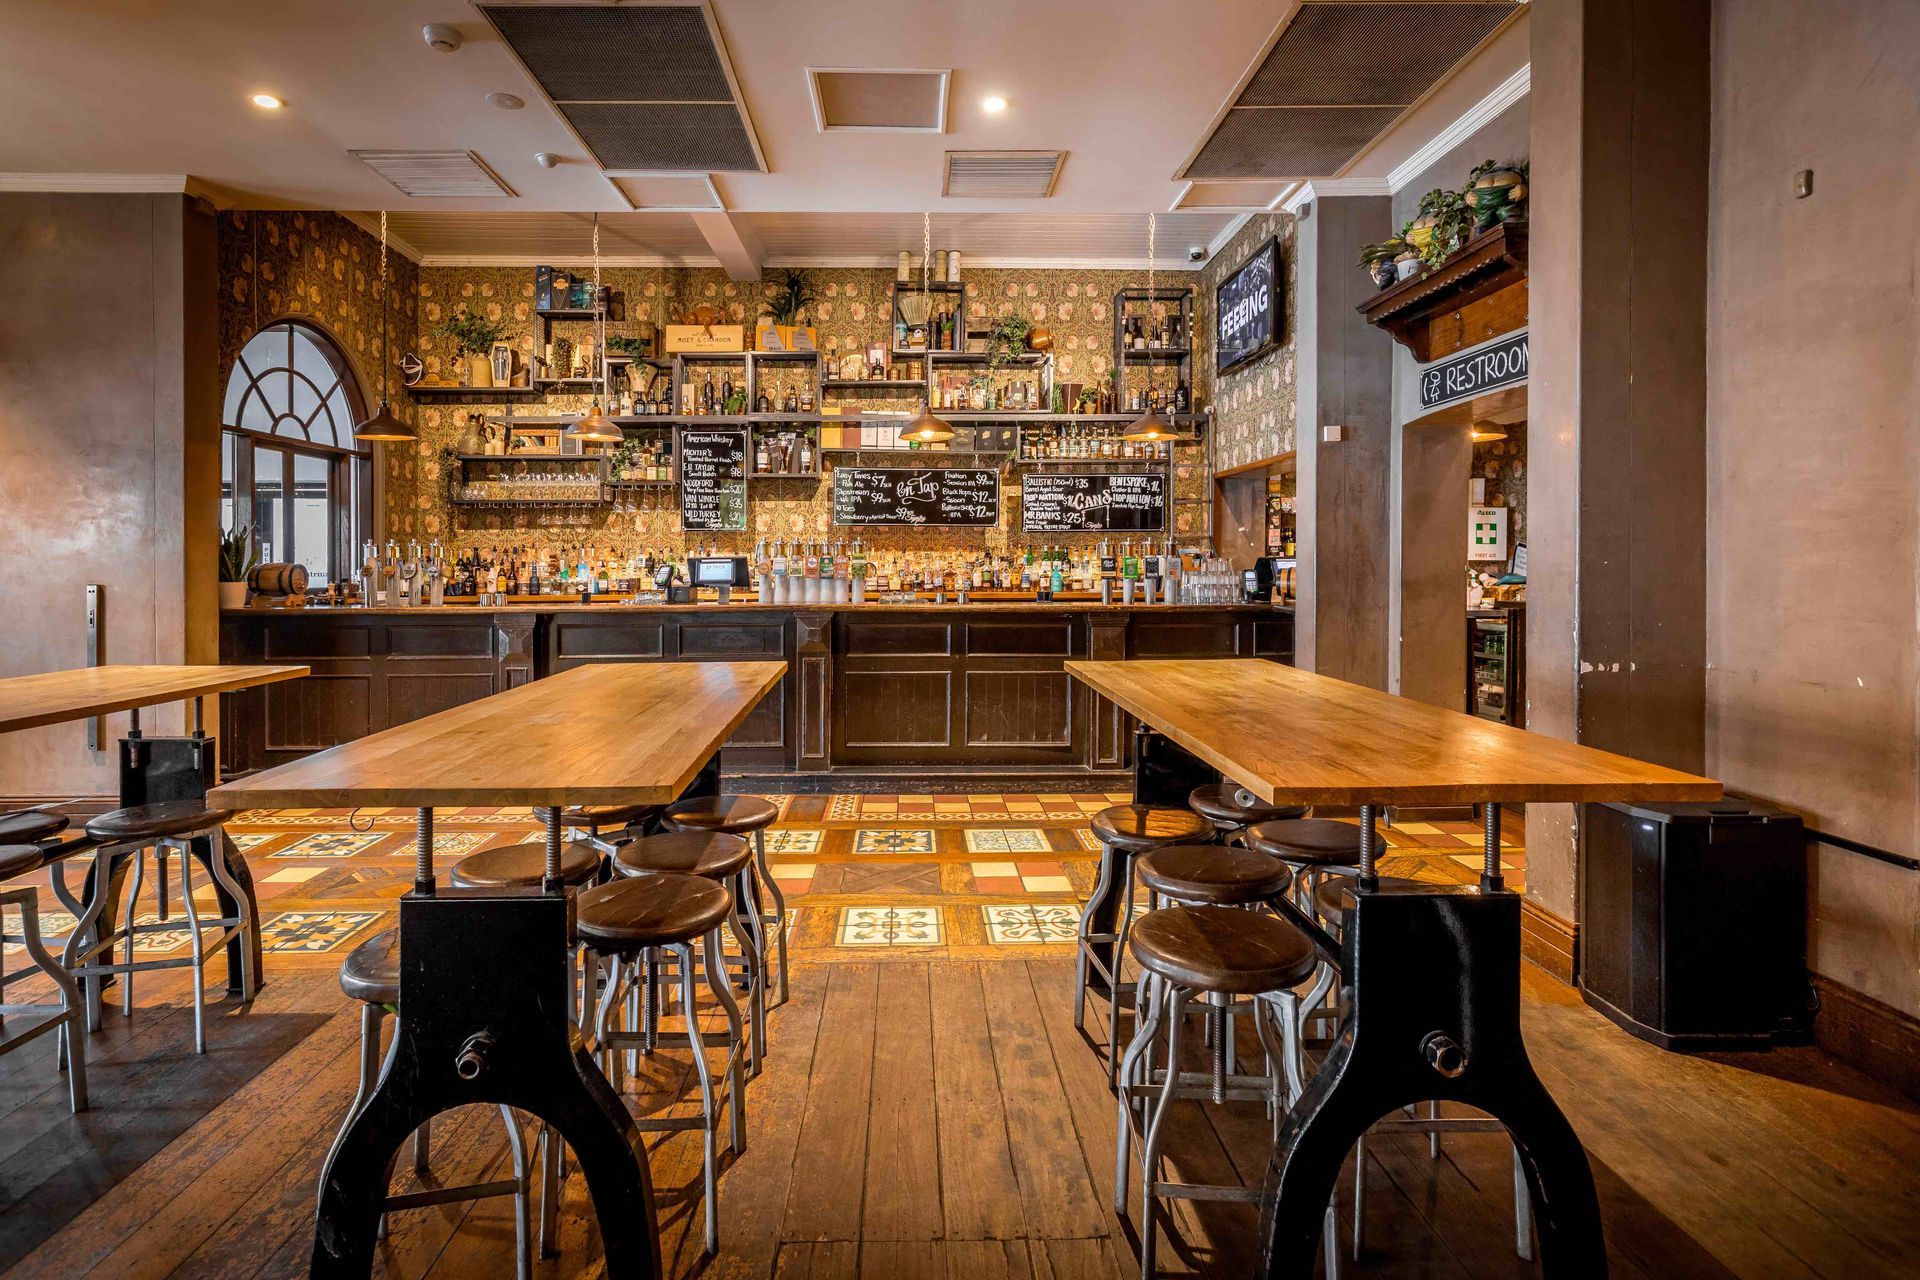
{"type": "Point", "coordinates": [931, 696]}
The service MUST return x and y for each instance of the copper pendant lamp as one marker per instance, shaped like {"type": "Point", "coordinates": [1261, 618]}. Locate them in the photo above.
{"type": "Point", "coordinates": [595, 426]}
{"type": "Point", "coordinates": [1150, 427]}
{"type": "Point", "coordinates": [928, 427]}
{"type": "Point", "coordinates": [383, 427]}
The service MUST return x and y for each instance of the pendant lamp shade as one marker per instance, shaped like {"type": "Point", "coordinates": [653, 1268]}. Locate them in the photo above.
{"type": "Point", "coordinates": [927, 428]}
{"type": "Point", "coordinates": [596, 427]}
{"type": "Point", "coordinates": [383, 427]}
{"type": "Point", "coordinates": [1150, 428]}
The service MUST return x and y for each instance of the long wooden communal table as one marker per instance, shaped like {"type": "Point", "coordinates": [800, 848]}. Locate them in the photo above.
{"type": "Point", "coordinates": [151, 769]}
{"type": "Point", "coordinates": [484, 974]}
{"type": "Point", "coordinates": [1432, 972]}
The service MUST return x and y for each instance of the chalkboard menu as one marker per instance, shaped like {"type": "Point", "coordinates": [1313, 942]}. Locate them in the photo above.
{"type": "Point", "coordinates": [1068, 502]}
{"type": "Point", "coordinates": [1247, 309]}
{"type": "Point", "coordinates": [713, 479]}
{"type": "Point", "coordinates": [903, 496]}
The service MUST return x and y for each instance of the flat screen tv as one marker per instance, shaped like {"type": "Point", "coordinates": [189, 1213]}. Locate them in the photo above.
{"type": "Point", "coordinates": [1247, 310]}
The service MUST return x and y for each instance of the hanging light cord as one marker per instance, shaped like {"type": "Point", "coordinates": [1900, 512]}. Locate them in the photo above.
{"type": "Point", "coordinates": [1151, 371]}
{"type": "Point", "coordinates": [926, 250]}
{"type": "Point", "coordinates": [384, 361]}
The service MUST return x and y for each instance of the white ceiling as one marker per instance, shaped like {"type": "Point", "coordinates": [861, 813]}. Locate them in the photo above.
{"type": "Point", "coordinates": [1127, 88]}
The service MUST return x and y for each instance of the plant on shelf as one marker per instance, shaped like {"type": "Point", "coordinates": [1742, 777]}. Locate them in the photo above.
{"type": "Point", "coordinates": [1379, 258]}
{"type": "Point", "coordinates": [621, 456]}
{"type": "Point", "coordinates": [638, 348]}
{"type": "Point", "coordinates": [1442, 224]}
{"type": "Point", "coordinates": [735, 403]}
{"type": "Point", "coordinates": [237, 562]}
{"type": "Point", "coordinates": [1497, 193]}
{"type": "Point", "coordinates": [473, 337]}
{"type": "Point", "coordinates": [1007, 339]}
{"type": "Point", "coordinates": [789, 298]}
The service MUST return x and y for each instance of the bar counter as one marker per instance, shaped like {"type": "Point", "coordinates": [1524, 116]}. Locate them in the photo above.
{"type": "Point", "coordinates": [883, 695]}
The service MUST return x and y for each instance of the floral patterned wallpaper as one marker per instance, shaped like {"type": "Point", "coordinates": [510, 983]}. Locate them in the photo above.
{"type": "Point", "coordinates": [1254, 405]}
{"type": "Point", "coordinates": [320, 265]}
{"type": "Point", "coordinates": [322, 268]}
{"type": "Point", "coordinates": [1503, 464]}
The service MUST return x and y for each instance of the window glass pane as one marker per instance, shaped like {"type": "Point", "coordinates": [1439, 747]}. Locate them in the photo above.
{"type": "Point", "coordinates": [305, 400]}
{"type": "Point", "coordinates": [312, 525]}
{"type": "Point", "coordinates": [309, 359]}
{"type": "Point", "coordinates": [335, 423]}
{"type": "Point", "coordinates": [269, 503]}
{"type": "Point", "coordinates": [254, 413]}
{"type": "Point", "coordinates": [228, 443]}
{"type": "Point", "coordinates": [236, 389]}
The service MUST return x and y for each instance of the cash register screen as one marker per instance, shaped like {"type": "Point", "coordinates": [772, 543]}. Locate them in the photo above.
{"type": "Point", "coordinates": [720, 571]}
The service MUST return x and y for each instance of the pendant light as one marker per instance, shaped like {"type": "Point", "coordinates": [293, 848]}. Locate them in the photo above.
{"type": "Point", "coordinates": [1483, 431]}
{"type": "Point", "coordinates": [929, 427]}
{"type": "Point", "coordinates": [1149, 427]}
{"type": "Point", "coordinates": [383, 427]}
{"type": "Point", "coordinates": [596, 427]}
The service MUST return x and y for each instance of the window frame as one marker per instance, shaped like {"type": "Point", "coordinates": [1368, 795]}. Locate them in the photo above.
{"type": "Point", "coordinates": [350, 472]}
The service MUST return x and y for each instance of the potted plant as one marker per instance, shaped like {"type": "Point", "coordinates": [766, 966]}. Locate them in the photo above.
{"type": "Point", "coordinates": [237, 562]}
{"type": "Point", "coordinates": [1441, 225]}
{"type": "Point", "coordinates": [473, 337]}
{"type": "Point", "coordinates": [1497, 192]}
{"type": "Point", "coordinates": [789, 298]}
{"type": "Point", "coordinates": [1379, 258]}
{"type": "Point", "coordinates": [1007, 339]}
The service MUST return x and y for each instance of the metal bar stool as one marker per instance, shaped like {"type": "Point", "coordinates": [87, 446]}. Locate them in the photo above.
{"type": "Point", "coordinates": [739, 816]}
{"type": "Point", "coordinates": [669, 911]}
{"type": "Point", "coordinates": [1332, 899]}
{"type": "Point", "coordinates": [1125, 831]}
{"type": "Point", "coordinates": [1214, 954]}
{"type": "Point", "coordinates": [711, 855]}
{"type": "Point", "coordinates": [371, 975]}
{"type": "Point", "coordinates": [591, 822]}
{"type": "Point", "coordinates": [165, 830]}
{"type": "Point", "coordinates": [64, 1018]}
{"type": "Point", "coordinates": [1232, 808]}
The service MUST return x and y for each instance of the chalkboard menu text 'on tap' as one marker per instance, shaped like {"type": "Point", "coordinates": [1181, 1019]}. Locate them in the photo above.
{"type": "Point", "coordinates": [935, 497]}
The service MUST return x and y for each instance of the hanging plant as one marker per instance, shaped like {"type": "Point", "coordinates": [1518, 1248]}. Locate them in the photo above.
{"type": "Point", "coordinates": [472, 335]}
{"type": "Point", "coordinates": [1007, 339]}
{"type": "Point", "coordinates": [1441, 225]}
{"type": "Point", "coordinates": [789, 299]}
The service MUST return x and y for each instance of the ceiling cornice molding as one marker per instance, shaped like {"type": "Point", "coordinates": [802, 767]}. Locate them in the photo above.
{"type": "Point", "coordinates": [569, 260]}
{"type": "Point", "coordinates": [874, 262]}
{"type": "Point", "coordinates": [370, 223]}
{"type": "Point", "coordinates": [1323, 188]}
{"type": "Point", "coordinates": [1510, 91]}
{"type": "Point", "coordinates": [1227, 233]}
{"type": "Point", "coordinates": [107, 183]}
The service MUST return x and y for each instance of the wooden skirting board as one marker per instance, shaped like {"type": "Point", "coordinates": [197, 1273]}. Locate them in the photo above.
{"type": "Point", "coordinates": [1548, 940]}
{"type": "Point", "coordinates": [1875, 1037]}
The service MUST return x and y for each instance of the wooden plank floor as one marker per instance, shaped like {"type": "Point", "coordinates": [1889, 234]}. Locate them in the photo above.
{"type": "Point", "coordinates": [935, 1118]}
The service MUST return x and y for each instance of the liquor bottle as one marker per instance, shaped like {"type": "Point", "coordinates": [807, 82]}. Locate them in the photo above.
{"type": "Point", "coordinates": [1181, 397]}
{"type": "Point", "coordinates": [726, 391]}
{"type": "Point", "coordinates": [761, 462]}
{"type": "Point", "coordinates": [806, 397]}
{"type": "Point", "coordinates": [806, 454]}
{"type": "Point", "coordinates": [533, 576]}
{"type": "Point", "coordinates": [604, 580]}
{"type": "Point", "coordinates": [761, 404]}
{"type": "Point", "coordinates": [707, 398]}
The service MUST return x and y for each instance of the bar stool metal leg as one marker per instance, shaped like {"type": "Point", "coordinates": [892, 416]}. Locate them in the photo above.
{"type": "Point", "coordinates": [65, 1019]}
{"type": "Point", "coordinates": [779, 920]}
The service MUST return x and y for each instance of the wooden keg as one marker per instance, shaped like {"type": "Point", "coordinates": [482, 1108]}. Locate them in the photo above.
{"type": "Point", "coordinates": [279, 580]}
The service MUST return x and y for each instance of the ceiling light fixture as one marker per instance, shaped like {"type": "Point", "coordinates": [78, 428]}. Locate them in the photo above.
{"type": "Point", "coordinates": [1149, 427]}
{"type": "Point", "coordinates": [596, 426]}
{"type": "Point", "coordinates": [993, 105]}
{"type": "Point", "coordinates": [383, 427]}
{"type": "Point", "coordinates": [928, 427]}
{"type": "Point", "coordinates": [506, 101]}
{"type": "Point", "coordinates": [1483, 432]}
{"type": "Point", "coordinates": [268, 101]}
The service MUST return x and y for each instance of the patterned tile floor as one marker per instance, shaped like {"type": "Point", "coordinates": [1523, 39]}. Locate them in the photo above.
{"type": "Point", "coordinates": [865, 876]}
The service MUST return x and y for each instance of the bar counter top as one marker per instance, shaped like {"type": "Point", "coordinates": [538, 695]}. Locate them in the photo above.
{"type": "Point", "coordinates": [530, 606]}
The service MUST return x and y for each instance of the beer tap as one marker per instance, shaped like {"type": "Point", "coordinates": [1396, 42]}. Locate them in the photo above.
{"type": "Point", "coordinates": [369, 574]}
{"type": "Point", "coordinates": [389, 573]}
{"type": "Point", "coordinates": [436, 570]}
{"type": "Point", "coordinates": [409, 574]}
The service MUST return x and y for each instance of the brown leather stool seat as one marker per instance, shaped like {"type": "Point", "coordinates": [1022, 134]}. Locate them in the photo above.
{"type": "Point", "coordinates": [1217, 874]}
{"type": "Point", "coordinates": [1306, 841]}
{"type": "Point", "coordinates": [732, 814]}
{"type": "Point", "coordinates": [371, 972]}
{"type": "Point", "coordinates": [711, 855]}
{"type": "Point", "coordinates": [30, 825]}
{"type": "Point", "coordinates": [524, 866]}
{"type": "Point", "coordinates": [650, 911]}
{"type": "Point", "coordinates": [1228, 805]}
{"type": "Point", "coordinates": [1222, 949]}
{"type": "Point", "coordinates": [596, 817]}
{"type": "Point", "coordinates": [18, 859]}
{"type": "Point", "coordinates": [1333, 896]}
{"type": "Point", "coordinates": [155, 821]}
{"type": "Point", "coordinates": [1142, 828]}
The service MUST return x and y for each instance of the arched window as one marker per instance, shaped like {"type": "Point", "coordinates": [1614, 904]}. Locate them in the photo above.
{"type": "Point", "coordinates": [290, 467]}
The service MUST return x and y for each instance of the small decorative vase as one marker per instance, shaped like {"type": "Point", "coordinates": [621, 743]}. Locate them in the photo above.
{"type": "Point", "coordinates": [479, 371]}
{"type": "Point", "coordinates": [1039, 339]}
{"type": "Point", "coordinates": [233, 595]}
{"type": "Point", "coordinates": [1407, 266]}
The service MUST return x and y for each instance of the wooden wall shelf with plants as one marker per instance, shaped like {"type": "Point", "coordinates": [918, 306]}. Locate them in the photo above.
{"type": "Point", "coordinates": [1484, 265]}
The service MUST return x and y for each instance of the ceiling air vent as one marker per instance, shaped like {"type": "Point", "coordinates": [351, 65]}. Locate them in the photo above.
{"type": "Point", "coordinates": [879, 100]}
{"type": "Point", "coordinates": [643, 86]}
{"type": "Point", "coordinates": [1009, 175]}
{"type": "Point", "coordinates": [1336, 76]}
{"type": "Point", "coordinates": [436, 173]}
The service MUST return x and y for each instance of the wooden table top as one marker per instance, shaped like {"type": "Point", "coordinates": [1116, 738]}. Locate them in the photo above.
{"type": "Point", "coordinates": [607, 733]}
{"type": "Point", "coordinates": [1292, 737]}
{"type": "Point", "coordinates": [55, 697]}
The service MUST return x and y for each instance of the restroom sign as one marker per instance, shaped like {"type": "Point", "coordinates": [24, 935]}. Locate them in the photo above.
{"type": "Point", "coordinates": [1486, 533]}
{"type": "Point", "coordinates": [1489, 367]}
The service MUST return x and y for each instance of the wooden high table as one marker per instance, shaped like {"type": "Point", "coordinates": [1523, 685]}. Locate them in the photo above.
{"type": "Point", "coordinates": [151, 769]}
{"type": "Point", "coordinates": [1433, 971]}
{"type": "Point", "coordinates": [484, 989]}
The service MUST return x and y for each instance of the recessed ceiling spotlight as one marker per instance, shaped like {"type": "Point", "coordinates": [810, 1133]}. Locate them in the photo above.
{"type": "Point", "coordinates": [545, 159]}
{"type": "Point", "coordinates": [506, 101]}
{"type": "Point", "coordinates": [994, 105]}
{"type": "Point", "coordinates": [268, 101]}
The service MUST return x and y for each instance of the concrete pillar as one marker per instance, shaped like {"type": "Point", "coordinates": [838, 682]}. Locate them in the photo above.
{"type": "Point", "coordinates": [1616, 635]}
{"type": "Point", "coordinates": [1345, 379]}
